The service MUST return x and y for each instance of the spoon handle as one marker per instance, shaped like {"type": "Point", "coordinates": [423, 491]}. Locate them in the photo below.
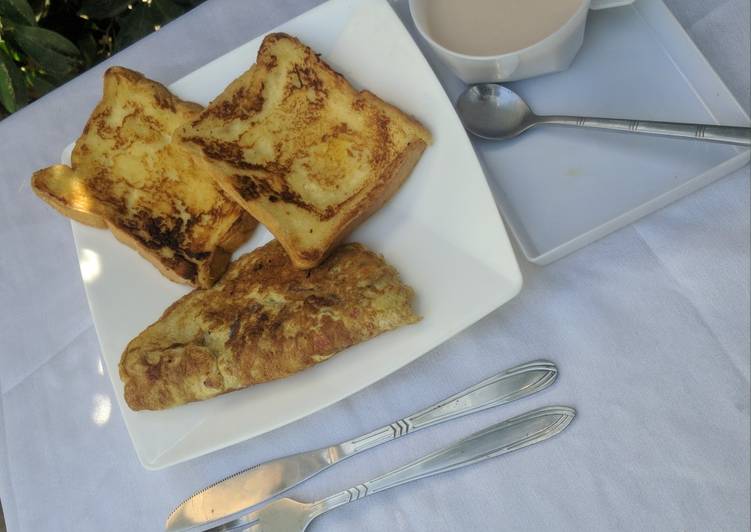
{"type": "Point", "coordinates": [740, 136]}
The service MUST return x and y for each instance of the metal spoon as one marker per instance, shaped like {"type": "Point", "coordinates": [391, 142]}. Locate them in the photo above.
{"type": "Point", "coordinates": [494, 112]}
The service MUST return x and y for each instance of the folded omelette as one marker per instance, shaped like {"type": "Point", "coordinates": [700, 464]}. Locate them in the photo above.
{"type": "Point", "coordinates": [263, 320]}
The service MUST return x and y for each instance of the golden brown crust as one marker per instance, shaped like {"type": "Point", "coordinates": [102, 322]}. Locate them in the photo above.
{"type": "Point", "coordinates": [304, 152]}
{"type": "Point", "coordinates": [263, 320]}
{"type": "Point", "coordinates": [155, 196]}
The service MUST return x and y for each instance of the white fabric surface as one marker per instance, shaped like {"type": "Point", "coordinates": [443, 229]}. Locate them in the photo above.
{"type": "Point", "coordinates": [650, 328]}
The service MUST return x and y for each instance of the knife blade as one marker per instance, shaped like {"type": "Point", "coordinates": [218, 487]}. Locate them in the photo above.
{"type": "Point", "coordinates": [237, 493]}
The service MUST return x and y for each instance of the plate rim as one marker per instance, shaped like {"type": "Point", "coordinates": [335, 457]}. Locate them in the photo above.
{"type": "Point", "coordinates": [514, 280]}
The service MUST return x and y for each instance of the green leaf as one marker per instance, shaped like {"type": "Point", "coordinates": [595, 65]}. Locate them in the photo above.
{"type": "Point", "coordinates": [7, 94]}
{"type": "Point", "coordinates": [167, 10]}
{"type": "Point", "coordinates": [144, 19]}
{"type": "Point", "coordinates": [134, 25]}
{"type": "Point", "coordinates": [88, 48]}
{"type": "Point", "coordinates": [48, 39]}
{"type": "Point", "coordinates": [53, 52]}
{"type": "Point", "coordinates": [41, 85]}
{"type": "Point", "coordinates": [18, 11]}
{"type": "Point", "coordinates": [189, 4]}
{"type": "Point", "coordinates": [38, 6]}
{"type": "Point", "coordinates": [99, 9]}
{"type": "Point", "coordinates": [13, 93]}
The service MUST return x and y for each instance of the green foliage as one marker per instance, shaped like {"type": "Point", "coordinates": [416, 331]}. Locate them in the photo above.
{"type": "Point", "coordinates": [103, 8]}
{"type": "Point", "coordinates": [44, 43]}
{"type": "Point", "coordinates": [49, 51]}
{"type": "Point", "coordinates": [134, 25]}
{"type": "Point", "coordinates": [13, 92]}
{"type": "Point", "coordinates": [17, 11]}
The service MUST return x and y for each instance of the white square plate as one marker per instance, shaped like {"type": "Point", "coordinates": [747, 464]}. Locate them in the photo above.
{"type": "Point", "coordinates": [442, 231]}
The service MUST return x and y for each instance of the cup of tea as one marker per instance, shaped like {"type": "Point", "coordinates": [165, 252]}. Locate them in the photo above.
{"type": "Point", "coordinates": [505, 40]}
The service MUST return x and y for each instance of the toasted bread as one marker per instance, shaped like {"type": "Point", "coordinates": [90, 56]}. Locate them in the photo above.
{"type": "Point", "coordinates": [153, 195]}
{"type": "Point", "coordinates": [304, 152]}
{"type": "Point", "coordinates": [263, 320]}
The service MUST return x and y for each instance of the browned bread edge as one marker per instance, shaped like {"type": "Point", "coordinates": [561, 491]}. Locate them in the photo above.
{"type": "Point", "coordinates": [220, 257]}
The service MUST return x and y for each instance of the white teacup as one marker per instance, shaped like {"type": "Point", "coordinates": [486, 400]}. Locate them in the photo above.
{"type": "Point", "coordinates": [551, 54]}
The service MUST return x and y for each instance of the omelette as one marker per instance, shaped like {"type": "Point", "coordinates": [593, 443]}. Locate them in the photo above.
{"type": "Point", "coordinates": [264, 320]}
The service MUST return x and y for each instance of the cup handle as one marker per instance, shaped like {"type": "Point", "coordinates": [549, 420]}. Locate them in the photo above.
{"type": "Point", "coordinates": [604, 4]}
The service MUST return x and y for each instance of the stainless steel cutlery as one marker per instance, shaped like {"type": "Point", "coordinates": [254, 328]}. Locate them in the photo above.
{"type": "Point", "coordinates": [240, 492]}
{"type": "Point", "coordinates": [289, 515]}
{"type": "Point", "coordinates": [492, 111]}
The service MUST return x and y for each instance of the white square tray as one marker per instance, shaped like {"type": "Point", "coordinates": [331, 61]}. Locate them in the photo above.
{"type": "Point", "coordinates": [560, 189]}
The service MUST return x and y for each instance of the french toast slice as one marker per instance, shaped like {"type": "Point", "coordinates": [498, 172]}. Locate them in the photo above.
{"type": "Point", "coordinates": [264, 320]}
{"type": "Point", "coordinates": [127, 175]}
{"type": "Point", "coordinates": [304, 152]}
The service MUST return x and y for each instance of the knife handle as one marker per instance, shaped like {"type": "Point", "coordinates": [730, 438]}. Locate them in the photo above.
{"type": "Point", "coordinates": [501, 438]}
{"type": "Point", "coordinates": [509, 385]}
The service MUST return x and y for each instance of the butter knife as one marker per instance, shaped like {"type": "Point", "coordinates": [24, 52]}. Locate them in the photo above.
{"type": "Point", "coordinates": [241, 491]}
{"type": "Point", "coordinates": [513, 434]}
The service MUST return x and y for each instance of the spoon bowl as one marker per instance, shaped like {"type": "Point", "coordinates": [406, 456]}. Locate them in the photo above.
{"type": "Point", "coordinates": [494, 112]}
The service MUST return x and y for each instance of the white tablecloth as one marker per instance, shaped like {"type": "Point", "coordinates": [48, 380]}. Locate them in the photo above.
{"type": "Point", "coordinates": [650, 328]}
